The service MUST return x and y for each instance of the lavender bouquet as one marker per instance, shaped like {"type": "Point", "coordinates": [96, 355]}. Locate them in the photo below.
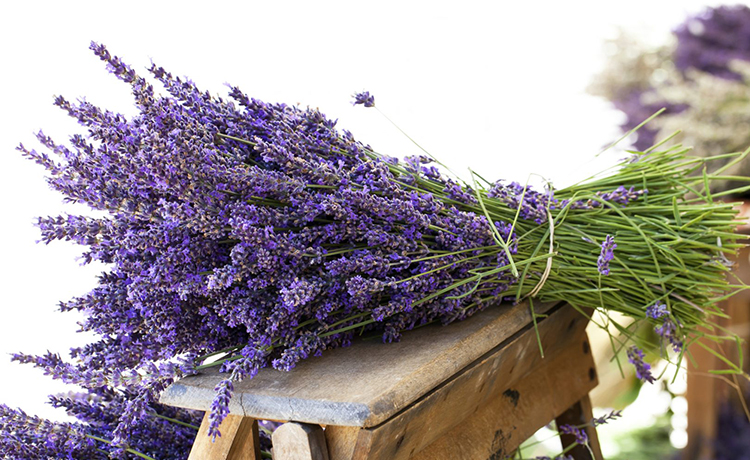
{"type": "Point", "coordinates": [245, 235]}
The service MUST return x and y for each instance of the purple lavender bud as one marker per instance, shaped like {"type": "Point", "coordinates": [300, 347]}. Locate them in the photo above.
{"type": "Point", "coordinates": [642, 369]}
{"type": "Point", "coordinates": [364, 98]}
{"type": "Point", "coordinates": [607, 254]}
{"type": "Point", "coordinates": [657, 310]}
{"type": "Point", "coordinates": [580, 434]}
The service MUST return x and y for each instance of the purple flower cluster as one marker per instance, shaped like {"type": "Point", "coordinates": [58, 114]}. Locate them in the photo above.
{"type": "Point", "coordinates": [26, 436]}
{"type": "Point", "coordinates": [642, 369]}
{"type": "Point", "coordinates": [712, 39]}
{"type": "Point", "coordinates": [99, 412]}
{"type": "Point", "coordinates": [607, 254]}
{"type": "Point", "coordinates": [534, 205]}
{"type": "Point", "coordinates": [707, 42]}
{"type": "Point", "coordinates": [365, 99]}
{"type": "Point", "coordinates": [657, 310]}
{"type": "Point", "coordinates": [667, 330]}
{"type": "Point", "coordinates": [248, 225]}
{"type": "Point", "coordinates": [580, 434]}
{"type": "Point", "coordinates": [260, 232]}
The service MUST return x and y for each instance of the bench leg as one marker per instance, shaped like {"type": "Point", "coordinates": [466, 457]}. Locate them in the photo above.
{"type": "Point", "coordinates": [238, 441]}
{"type": "Point", "coordinates": [578, 414]}
{"type": "Point", "coordinates": [299, 441]}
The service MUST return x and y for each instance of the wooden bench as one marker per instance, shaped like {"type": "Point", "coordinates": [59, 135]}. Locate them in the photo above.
{"type": "Point", "coordinates": [473, 390]}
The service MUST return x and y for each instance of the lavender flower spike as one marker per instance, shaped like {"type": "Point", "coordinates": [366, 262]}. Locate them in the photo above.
{"type": "Point", "coordinates": [642, 369]}
{"type": "Point", "coordinates": [607, 254]}
{"type": "Point", "coordinates": [364, 98]}
{"type": "Point", "coordinates": [220, 407]}
{"type": "Point", "coordinates": [596, 421]}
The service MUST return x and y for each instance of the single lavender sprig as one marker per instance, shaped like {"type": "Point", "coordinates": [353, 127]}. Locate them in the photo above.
{"type": "Point", "coordinates": [220, 407]}
{"type": "Point", "coordinates": [607, 255]}
{"type": "Point", "coordinates": [596, 421]}
{"type": "Point", "coordinates": [642, 369]}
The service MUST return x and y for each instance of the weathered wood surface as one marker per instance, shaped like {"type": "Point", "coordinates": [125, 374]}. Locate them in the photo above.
{"type": "Point", "coordinates": [706, 393]}
{"type": "Point", "coordinates": [341, 441]}
{"type": "Point", "coordinates": [238, 441]}
{"type": "Point", "coordinates": [493, 377]}
{"type": "Point", "coordinates": [299, 441]}
{"type": "Point", "coordinates": [496, 429]}
{"type": "Point", "coordinates": [368, 383]}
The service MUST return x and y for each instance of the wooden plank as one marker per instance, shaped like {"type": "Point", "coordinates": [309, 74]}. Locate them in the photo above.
{"type": "Point", "coordinates": [500, 425]}
{"type": "Point", "coordinates": [341, 441]}
{"type": "Point", "coordinates": [488, 378]}
{"type": "Point", "coordinates": [578, 414]}
{"type": "Point", "coordinates": [702, 405]}
{"type": "Point", "coordinates": [246, 444]}
{"type": "Point", "coordinates": [365, 384]}
{"type": "Point", "coordinates": [737, 308]}
{"type": "Point", "coordinates": [707, 393]}
{"type": "Point", "coordinates": [299, 441]}
{"type": "Point", "coordinates": [238, 440]}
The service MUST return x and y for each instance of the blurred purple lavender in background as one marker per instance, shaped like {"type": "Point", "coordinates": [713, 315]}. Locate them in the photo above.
{"type": "Point", "coordinates": [711, 40]}
{"type": "Point", "coordinates": [707, 42]}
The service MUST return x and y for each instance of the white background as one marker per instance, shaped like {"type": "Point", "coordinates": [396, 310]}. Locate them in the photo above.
{"type": "Point", "coordinates": [499, 86]}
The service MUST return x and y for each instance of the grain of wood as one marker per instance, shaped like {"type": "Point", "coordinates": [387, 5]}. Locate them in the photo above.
{"type": "Point", "coordinates": [238, 440]}
{"type": "Point", "coordinates": [365, 384]}
{"type": "Point", "coordinates": [500, 425]}
{"type": "Point", "coordinates": [299, 441]}
{"type": "Point", "coordinates": [341, 441]}
{"type": "Point", "coordinates": [489, 377]}
{"type": "Point", "coordinates": [705, 392]}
